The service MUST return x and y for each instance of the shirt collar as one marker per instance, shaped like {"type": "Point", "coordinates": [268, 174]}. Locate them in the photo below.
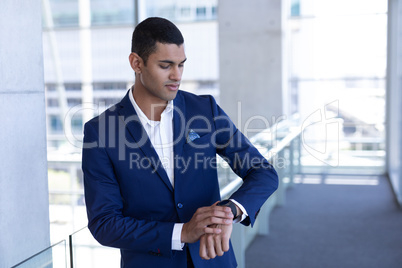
{"type": "Point", "coordinates": [169, 108]}
{"type": "Point", "coordinates": [167, 112]}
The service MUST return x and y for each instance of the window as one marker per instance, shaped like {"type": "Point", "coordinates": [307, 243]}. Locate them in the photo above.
{"type": "Point", "coordinates": [64, 13]}
{"type": "Point", "coordinates": [201, 12]}
{"type": "Point", "coordinates": [337, 77]}
{"type": "Point", "coordinates": [108, 12]}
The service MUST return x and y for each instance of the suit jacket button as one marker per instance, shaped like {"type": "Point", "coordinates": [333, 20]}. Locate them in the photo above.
{"type": "Point", "coordinates": [179, 205]}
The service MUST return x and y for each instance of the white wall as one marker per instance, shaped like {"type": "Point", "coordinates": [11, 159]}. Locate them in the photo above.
{"type": "Point", "coordinates": [24, 206]}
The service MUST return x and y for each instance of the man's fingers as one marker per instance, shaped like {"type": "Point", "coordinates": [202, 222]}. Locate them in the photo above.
{"type": "Point", "coordinates": [210, 246]}
{"type": "Point", "coordinates": [215, 220]}
{"type": "Point", "coordinates": [203, 248]}
{"type": "Point", "coordinates": [225, 244]}
{"type": "Point", "coordinates": [225, 236]}
{"type": "Point", "coordinates": [218, 245]}
{"type": "Point", "coordinates": [213, 208]}
{"type": "Point", "coordinates": [204, 217]}
{"type": "Point", "coordinates": [219, 212]}
{"type": "Point", "coordinates": [212, 230]}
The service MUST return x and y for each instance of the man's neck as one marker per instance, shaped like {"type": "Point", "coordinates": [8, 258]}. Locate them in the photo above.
{"type": "Point", "coordinates": [149, 106]}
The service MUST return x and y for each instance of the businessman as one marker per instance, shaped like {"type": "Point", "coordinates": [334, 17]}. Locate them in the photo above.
{"type": "Point", "coordinates": [149, 164]}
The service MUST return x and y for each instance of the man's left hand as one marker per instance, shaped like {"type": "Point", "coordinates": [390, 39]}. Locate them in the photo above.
{"type": "Point", "coordinates": [212, 245]}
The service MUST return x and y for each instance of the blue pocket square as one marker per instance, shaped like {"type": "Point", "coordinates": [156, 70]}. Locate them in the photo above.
{"type": "Point", "coordinates": [192, 135]}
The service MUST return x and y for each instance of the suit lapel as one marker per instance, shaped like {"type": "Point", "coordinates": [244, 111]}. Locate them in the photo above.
{"type": "Point", "coordinates": [137, 131]}
{"type": "Point", "coordinates": [179, 125]}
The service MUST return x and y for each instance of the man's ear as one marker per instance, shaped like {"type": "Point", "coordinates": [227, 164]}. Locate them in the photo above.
{"type": "Point", "coordinates": [136, 62]}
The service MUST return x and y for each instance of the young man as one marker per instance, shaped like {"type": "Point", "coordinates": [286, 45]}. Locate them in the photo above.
{"type": "Point", "coordinates": [149, 164]}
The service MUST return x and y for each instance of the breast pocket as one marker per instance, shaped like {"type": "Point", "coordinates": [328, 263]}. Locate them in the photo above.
{"type": "Point", "coordinates": [204, 142]}
{"type": "Point", "coordinates": [199, 154]}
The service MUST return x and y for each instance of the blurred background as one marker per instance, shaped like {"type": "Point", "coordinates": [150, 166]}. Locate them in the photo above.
{"type": "Point", "coordinates": [313, 72]}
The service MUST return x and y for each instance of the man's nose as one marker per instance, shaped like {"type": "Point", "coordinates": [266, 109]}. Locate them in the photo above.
{"type": "Point", "coordinates": [176, 73]}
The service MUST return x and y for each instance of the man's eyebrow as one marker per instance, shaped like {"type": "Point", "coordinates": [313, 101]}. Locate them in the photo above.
{"type": "Point", "coordinates": [172, 62]}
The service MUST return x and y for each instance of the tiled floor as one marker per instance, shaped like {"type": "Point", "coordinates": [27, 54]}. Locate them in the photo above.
{"type": "Point", "coordinates": [333, 221]}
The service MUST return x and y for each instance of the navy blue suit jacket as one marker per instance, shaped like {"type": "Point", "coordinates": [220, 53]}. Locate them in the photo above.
{"type": "Point", "coordinates": [130, 201]}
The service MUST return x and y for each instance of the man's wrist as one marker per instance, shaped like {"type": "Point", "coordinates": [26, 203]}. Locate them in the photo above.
{"type": "Point", "coordinates": [242, 213]}
{"type": "Point", "coordinates": [228, 203]}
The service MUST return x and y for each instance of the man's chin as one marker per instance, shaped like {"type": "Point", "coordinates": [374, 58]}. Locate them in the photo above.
{"type": "Point", "coordinates": [171, 96]}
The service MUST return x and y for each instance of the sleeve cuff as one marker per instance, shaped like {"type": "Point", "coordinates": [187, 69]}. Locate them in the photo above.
{"type": "Point", "coordinates": [243, 210]}
{"type": "Point", "coordinates": [176, 237]}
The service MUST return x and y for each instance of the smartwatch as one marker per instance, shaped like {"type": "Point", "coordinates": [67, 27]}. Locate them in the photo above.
{"type": "Point", "coordinates": [228, 203]}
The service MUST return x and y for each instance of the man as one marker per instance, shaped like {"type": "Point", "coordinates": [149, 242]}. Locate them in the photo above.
{"type": "Point", "coordinates": [149, 165]}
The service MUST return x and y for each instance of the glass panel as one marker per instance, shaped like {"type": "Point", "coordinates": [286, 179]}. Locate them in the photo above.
{"type": "Point", "coordinates": [67, 211]}
{"type": "Point", "coordinates": [103, 12]}
{"type": "Point", "coordinates": [52, 257]}
{"type": "Point", "coordinates": [337, 83]}
{"type": "Point", "coordinates": [64, 12]}
{"type": "Point", "coordinates": [87, 252]}
{"type": "Point", "coordinates": [347, 132]}
{"type": "Point", "coordinates": [280, 145]}
{"type": "Point", "coordinates": [338, 47]}
{"type": "Point", "coordinates": [340, 7]}
{"type": "Point", "coordinates": [182, 10]}
{"type": "Point", "coordinates": [108, 12]}
{"type": "Point", "coordinates": [201, 12]}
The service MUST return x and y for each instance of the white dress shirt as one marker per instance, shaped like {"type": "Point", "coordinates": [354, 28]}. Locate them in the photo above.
{"type": "Point", "coordinates": [160, 134]}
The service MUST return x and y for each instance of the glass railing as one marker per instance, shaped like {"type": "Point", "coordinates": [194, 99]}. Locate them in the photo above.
{"type": "Point", "coordinates": [279, 144]}
{"type": "Point", "coordinates": [85, 251]}
{"type": "Point", "coordinates": [51, 257]}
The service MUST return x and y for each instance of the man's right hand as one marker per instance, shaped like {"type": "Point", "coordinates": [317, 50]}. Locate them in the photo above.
{"type": "Point", "coordinates": [204, 217]}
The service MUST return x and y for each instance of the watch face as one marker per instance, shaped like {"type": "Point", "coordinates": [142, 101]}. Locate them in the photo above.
{"type": "Point", "coordinates": [228, 203]}
{"type": "Point", "coordinates": [223, 203]}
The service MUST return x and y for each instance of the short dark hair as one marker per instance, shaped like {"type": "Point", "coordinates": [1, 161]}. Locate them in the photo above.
{"type": "Point", "coordinates": [153, 30]}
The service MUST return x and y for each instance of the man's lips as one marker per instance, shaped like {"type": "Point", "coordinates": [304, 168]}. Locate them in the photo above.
{"type": "Point", "coordinates": [173, 86]}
